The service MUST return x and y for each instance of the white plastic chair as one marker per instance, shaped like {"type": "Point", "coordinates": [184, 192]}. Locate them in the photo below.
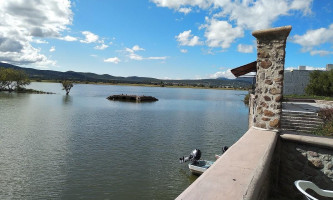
{"type": "Point", "coordinates": [302, 186]}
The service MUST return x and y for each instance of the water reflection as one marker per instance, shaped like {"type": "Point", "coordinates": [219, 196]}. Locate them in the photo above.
{"type": "Point", "coordinates": [67, 100]}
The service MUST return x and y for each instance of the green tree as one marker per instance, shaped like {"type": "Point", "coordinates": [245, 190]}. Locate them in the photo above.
{"type": "Point", "coordinates": [11, 79]}
{"type": "Point", "coordinates": [320, 84]}
{"type": "Point", "coordinates": [21, 79]}
{"type": "Point", "coordinates": [67, 85]}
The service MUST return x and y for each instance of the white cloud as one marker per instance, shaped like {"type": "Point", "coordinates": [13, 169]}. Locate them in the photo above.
{"type": "Point", "coordinates": [223, 74]}
{"type": "Point", "coordinates": [183, 50]}
{"type": "Point", "coordinates": [134, 56]}
{"type": "Point", "coordinates": [101, 47]}
{"type": "Point", "coordinates": [313, 38]}
{"type": "Point", "coordinates": [185, 10]}
{"type": "Point", "coordinates": [39, 41]}
{"type": "Point", "coordinates": [243, 48]}
{"type": "Point", "coordinates": [157, 58]}
{"type": "Point", "coordinates": [114, 60]}
{"type": "Point", "coordinates": [306, 68]}
{"type": "Point", "coordinates": [228, 19]}
{"type": "Point", "coordinates": [187, 39]}
{"type": "Point", "coordinates": [52, 49]}
{"type": "Point", "coordinates": [137, 48]}
{"type": "Point", "coordinates": [68, 38]}
{"type": "Point", "coordinates": [89, 37]}
{"type": "Point", "coordinates": [221, 33]}
{"type": "Point", "coordinates": [24, 23]}
{"type": "Point", "coordinates": [320, 52]}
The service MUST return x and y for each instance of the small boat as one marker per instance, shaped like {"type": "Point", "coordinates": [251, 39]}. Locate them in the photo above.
{"type": "Point", "coordinates": [200, 166]}
{"type": "Point", "coordinates": [196, 165]}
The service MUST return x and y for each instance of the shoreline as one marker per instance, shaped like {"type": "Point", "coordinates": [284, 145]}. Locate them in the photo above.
{"type": "Point", "coordinates": [143, 85]}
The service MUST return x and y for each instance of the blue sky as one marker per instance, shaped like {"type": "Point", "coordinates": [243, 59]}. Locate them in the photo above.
{"type": "Point", "coordinates": [168, 39]}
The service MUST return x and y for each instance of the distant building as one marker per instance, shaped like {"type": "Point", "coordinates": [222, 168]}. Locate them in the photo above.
{"type": "Point", "coordinates": [329, 67]}
{"type": "Point", "coordinates": [295, 81]}
{"type": "Point", "coordinates": [301, 67]}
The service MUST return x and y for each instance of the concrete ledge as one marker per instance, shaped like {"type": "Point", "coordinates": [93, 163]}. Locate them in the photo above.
{"type": "Point", "coordinates": [308, 139]}
{"type": "Point", "coordinates": [279, 31]}
{"type": "Point", "coordinates": [240, 173]}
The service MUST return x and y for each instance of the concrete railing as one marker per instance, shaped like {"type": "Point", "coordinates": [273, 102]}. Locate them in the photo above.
{"type": "Point", "coordinates": [241, 173]}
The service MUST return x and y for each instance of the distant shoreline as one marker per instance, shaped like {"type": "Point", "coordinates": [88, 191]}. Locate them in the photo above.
{"type": "Point", "coordinates": [142, 85]}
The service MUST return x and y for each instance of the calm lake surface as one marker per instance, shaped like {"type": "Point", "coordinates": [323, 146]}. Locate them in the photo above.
{"type": "Point", "coordinates": [83, 146]}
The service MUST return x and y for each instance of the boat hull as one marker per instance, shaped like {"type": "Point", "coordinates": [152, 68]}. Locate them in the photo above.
{"type": "Point", "coordinates": [200, 166]}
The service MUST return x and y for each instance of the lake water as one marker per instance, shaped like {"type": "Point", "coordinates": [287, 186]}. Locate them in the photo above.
{"type": "Point", "coordinates": [83, 146]}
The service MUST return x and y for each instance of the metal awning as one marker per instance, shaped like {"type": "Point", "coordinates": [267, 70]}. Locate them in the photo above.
{"type": "Point", "coordinates": [250, 67]}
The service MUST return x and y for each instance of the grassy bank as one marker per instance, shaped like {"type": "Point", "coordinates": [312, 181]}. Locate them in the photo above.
{"type": "Point", "coordinates": [286, 97]}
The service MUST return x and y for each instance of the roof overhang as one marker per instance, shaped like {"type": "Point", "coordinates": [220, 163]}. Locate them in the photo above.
{"type": "Point", "coordinates": [250, 67]}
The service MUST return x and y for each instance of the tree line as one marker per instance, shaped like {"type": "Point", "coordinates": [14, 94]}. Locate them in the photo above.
{"type": "Point", "coordinates": [320, 84]}
{"type": "Point", "coordinates": [16, 80]}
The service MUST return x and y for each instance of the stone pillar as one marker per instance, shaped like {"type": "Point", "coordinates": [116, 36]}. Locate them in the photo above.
{"type": "Point", "coordinates": [271, 44]}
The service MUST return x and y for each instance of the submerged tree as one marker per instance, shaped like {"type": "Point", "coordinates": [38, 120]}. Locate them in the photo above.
{"type": "Point", "coordinates": [67, 85]}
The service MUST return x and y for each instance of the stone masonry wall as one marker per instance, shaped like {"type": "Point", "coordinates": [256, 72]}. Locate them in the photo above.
{"type": "Point", "coordinates": [271, 44]}
{"type": "Point", "coordinates": [303, 162]}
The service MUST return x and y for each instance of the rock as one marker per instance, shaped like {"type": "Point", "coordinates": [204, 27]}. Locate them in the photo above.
{"type": "Point", "coordinates": [265, 119]}
{"type": "Point", "coordinates": [268, 113]}
{"type": "Point", "coordinates": [261, 125]}
{"type": "Point", "coordinates": [330, 166]}
{"type": "Point", "coordinates": [313, 154]}
{"type": "Point", "coordinates": [278, 79]}
{"type": "Point", "coordinates": [268, 82]}
{"type": "Point", "coordinates": [265, 64]}
{"type": "Point", "coordinates": [317, 163]}
{"type": "Point", "coordinates": [263, 54]}
{"type": "Point", "coordinates": [267, 98]}
{"type": "Point", "coordinates": [275, 123]}
{"type": "Point", "coordinates": [278, 98]}
{"type": "Point", "coordinates": [274, 91]}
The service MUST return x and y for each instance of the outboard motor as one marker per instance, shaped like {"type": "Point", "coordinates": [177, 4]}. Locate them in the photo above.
{"type": "Point", "coordinates": [194, 156]}
{"type": "Point", "coordinates": [224, 149]}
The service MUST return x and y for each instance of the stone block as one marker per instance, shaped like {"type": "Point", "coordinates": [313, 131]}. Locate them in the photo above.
{"type": "Point", "coordinates": [268, 113]}
{"type": "Point", "coordinates": [263, 54]}
{"type": "Point", "coordinates": [266, 64]}
{"type": "Point", "coordinates": [278, 98]}
{"type": "Point", "coordinates": [317, 163]}
{"type": "Point", "coordinates": [265, 119]}
{"type": "Point", "coordinates": [313, 154]}
{"type": "Point", "coordinates": [261, 125]}
{"type": "Point", "coordinates": [274, 91]}
{"type": "Point", "coordinates": [267, 98]}
{"type": "Point", "coordinates": [274, 123]}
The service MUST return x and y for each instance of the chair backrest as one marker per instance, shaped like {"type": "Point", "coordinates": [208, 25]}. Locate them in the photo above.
{"type": "Point", "coordinates": [302, 186]}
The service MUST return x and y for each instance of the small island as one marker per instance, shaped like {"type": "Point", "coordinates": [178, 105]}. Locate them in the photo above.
{"type": "Point", "coordinates": [132, 98]}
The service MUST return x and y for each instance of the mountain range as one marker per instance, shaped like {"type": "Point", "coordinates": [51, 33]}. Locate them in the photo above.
{"type": "Point", "coordinates": [50, 75]}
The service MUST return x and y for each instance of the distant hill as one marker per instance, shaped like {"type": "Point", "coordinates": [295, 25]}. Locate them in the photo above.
{"type": "Point", "coordinates": [36, 74]}
{"type": "Point", "coordinates": [247, 79]}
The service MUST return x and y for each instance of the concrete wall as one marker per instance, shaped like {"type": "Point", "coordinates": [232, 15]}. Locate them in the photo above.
{"type": "Point", "coordinates": [242, 172]}
{"type": "Point", "coordinates": [295, 82]}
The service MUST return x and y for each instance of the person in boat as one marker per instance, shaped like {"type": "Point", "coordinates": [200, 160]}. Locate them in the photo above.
{"type": "Point", "coordinates": [224, 149]}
